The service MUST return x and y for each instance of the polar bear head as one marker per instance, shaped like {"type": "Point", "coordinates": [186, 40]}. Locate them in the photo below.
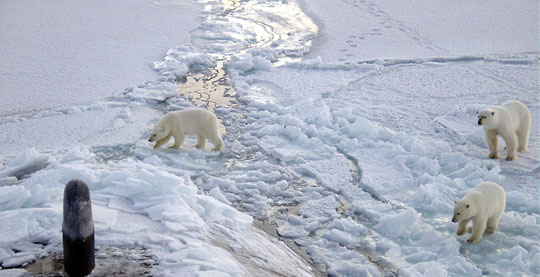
{"type": "Point", "coordinates": [157, 134]}
{"type": "Point", "coordinates": [488, 118]}
{"type": "Point", "coordinates": [464, 209]}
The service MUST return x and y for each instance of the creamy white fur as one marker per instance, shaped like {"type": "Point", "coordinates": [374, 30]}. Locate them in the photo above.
{"type": "Point", "coordinates": [484, 206]}
{"type": "Point", "coordinates": [510, 120]}
{"type": "Point", "coordinates": [178, 124]}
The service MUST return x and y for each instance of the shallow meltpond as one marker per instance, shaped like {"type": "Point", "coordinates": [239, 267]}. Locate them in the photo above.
{"type": "Point", "coordinates": [210, 90]}
{"type": "Point", "coordinates": [117, 152]}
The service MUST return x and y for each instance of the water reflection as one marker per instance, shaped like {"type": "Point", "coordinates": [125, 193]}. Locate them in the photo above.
{"type": "Point", "coordinates": [280, 29]}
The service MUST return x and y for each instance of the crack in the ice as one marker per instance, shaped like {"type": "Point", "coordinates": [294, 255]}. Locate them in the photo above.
{"type": "Point", "coordinates": [446, 60]}
{"type": "Point", "coordinates": [280, 207]}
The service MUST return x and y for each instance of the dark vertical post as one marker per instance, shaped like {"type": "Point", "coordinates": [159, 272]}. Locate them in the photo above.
{"type": "Point", "coordinates": [78, 230]}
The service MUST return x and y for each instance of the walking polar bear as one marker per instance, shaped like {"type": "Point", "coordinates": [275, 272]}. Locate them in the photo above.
{"type": "Point", "coordinates": [484, 205]}
{"type": "Point", "coordinates": [508, 120]}
{"type": "Point", "coordinates": [178, 124]}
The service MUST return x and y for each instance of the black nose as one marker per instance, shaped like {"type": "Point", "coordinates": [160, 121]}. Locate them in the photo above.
{"type": "Point", "coordinates": [453, 219]}
{"type": "Point", "coordinates": [479, 122]}
{"type": "Point", "coordinates": [149, 140]}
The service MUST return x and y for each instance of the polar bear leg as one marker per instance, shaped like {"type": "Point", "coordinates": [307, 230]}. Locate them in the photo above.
{"type": "Point", "coordinates": [162, 141]}
{"type": "Point", "coordinates": [479, 226]}
{"type": "Point", "coordinates": [523, 134]}
{"type": "Point", "coordinates": [493, 224]}
{"type": "Point", "coordinates": [178, 141]}
{"type": "Point", "coordinates": [216, 141]}
{"type": "Point", "coordinates": [462, 227]}
{"type": "Point", "coordinates": [491, 141]}
{"type": "Point", "coordinates": [511, 146]}
{"type": "Point", "coordinates": [201, 142]}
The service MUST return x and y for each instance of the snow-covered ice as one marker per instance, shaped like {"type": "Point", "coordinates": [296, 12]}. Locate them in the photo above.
{"type": "Point", "coordinates": [351, 134]}
{"type": "Point", "coordinates": [58, 54]}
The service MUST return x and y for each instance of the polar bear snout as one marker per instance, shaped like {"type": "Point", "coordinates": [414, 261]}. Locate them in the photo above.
{"type": "Point", "coordinates": [484, 116]}
{"type": "Point", "coordinates": [454, 219]}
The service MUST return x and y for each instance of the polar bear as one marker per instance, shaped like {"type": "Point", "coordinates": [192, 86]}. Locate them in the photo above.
{"type": "Point", "coordinates": [507, 120]}
{"type": "Point", "coordinates": [484, 205]}
{"type": "Point", "coordinates": [178, 124]}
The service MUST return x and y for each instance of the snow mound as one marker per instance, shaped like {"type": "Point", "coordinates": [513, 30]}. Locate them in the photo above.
{"type": "Point", "coordinates": [179, 61]}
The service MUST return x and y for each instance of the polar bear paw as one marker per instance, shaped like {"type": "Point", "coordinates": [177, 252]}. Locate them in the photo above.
{"type": "Point", "coordinates": [491, 231]}
{"type": "Point", "coordinates": [510, 158]}
{"type": "Point", "coordinates": [473, 240]}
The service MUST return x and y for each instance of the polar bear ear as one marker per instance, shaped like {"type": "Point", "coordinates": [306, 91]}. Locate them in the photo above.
{"type": "Point", "coordinates": [492, 113]}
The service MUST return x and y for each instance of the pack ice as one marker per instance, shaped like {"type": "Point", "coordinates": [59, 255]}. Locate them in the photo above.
{"type": "Point", "coordinates": [352, 133]}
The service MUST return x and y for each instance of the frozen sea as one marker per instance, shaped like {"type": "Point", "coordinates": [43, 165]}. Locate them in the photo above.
{"type": "Point", "coordinates": [349, 130]}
